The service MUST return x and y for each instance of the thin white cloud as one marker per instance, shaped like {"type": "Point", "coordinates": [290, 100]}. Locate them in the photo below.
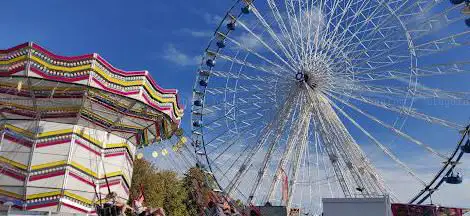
{"type": "Point", "coordinates": [249, 41]}
{"type": "Point", "coordinates": [212, 19]}
{"type": "Point", "coordinates": [196, 33]}
{"type": "Point", "coordinates": [406, 187]}
{"type": "Point", "coordinates": [172, 54]}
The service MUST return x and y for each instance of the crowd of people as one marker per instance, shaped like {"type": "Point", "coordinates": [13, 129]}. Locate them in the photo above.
{"type": "Point", "coordinates": [116, 206]}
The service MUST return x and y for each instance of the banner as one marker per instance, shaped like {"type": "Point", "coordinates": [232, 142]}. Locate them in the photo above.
{"type": "Point", "coordinates": [426, 210]}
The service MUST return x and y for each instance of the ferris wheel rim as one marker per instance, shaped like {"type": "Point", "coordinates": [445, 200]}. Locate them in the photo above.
{"type": "Point", "coordinates": [202, 64]}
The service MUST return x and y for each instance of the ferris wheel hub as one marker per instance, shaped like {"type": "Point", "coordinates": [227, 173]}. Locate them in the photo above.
{"type": "Point", "coordinates": [300, 76]}
{"type": "Point", "coordinates": [306, 78]}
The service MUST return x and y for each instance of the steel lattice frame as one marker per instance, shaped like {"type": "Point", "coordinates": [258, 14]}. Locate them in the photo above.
{"type": "Point", "coordinates": [283, 85]}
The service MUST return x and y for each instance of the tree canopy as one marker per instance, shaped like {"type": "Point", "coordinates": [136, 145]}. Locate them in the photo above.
{"type": "Point", "coordinates": [161, 189]}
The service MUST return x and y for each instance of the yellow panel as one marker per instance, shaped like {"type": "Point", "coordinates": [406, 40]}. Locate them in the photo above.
{"type": "Point", "coordinates": [60, 68]}
{"type": "Point", "coordinates": [10, 194]}
{"type": "Point", "coordinates": [41, 195]}
{"type": "Point", "coordinates": [47, 165]}
{"type": "Point", "coordinates": [13, 163]}
{"type": "Point", "coordinates": [77, 197]}
{"type": "Point", "coordinates": [13, 60]}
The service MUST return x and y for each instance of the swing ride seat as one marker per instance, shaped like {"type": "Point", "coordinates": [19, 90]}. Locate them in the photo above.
{"type": "Point", "coordinates": [108, 210]}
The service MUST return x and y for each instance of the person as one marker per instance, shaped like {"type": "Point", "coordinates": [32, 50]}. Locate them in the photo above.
{"type": "Point", "coordinates": [226, 208]}
{"type": "Point", "coordinates": [138, 203]}
{"type": "Point", "coordinates": [210, 208]}
{"type": "Point", "coordinates": [214, 209]}
{"type": "Point", "coordinates": [140, 209]}
{"type": "Point", "coordinates": [115, 205]}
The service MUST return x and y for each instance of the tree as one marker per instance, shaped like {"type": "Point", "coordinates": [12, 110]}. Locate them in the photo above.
{"type": "Point", "coordinates": [161, 188]}
{"type": "Point", "coordinates": [197, 192]}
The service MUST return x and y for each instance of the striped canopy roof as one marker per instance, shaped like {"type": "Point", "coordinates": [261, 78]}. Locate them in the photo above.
{"type": "Point", "coordinates": [86, 89]}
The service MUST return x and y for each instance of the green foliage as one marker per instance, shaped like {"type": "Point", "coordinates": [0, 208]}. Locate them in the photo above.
{"type": "Point", "coordinates": [177, 196]}
{"type": "Point", "coordinates": [197, 193]}
{"type": "Point", "coordinates": [161, 189]}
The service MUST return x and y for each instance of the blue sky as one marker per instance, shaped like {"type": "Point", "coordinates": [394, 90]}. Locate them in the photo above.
{"type": "Point", "coordinates": [164, 37]}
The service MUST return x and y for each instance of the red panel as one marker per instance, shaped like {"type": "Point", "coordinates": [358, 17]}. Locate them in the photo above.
{"type": "Point", "coordinates": [47, 175]}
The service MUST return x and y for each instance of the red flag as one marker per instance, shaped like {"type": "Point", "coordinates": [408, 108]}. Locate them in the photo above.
{"type": "Point", "coordinates": [285, 186]}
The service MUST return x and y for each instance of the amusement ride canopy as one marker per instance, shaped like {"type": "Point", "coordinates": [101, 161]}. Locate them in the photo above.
{"type": "Point", "coordinates": [70, 127]}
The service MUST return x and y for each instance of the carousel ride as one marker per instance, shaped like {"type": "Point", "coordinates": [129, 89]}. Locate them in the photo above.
{"type": "Point", "coordinates": [298, 100]}
{"type": "Point", "coordinates": [70, 128]}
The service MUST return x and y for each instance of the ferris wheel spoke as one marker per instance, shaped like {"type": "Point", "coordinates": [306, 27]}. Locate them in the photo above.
{"type": "Point", "coordinates": [403, 110]}
{"type": "Point", "coordinates": [253, 52]}
{"type": "Point", "coordinates": [245, 63]}
{"type": "Point", "coordinates": [259, 39]}
{"type": "Point", "coordinates": [254, 101]}
{"type": "Point", "coordinates": [282, 26]}
{"type": "Point", "coordinates": [329, 16]}
{"type": "Point", "coordinates": [247, 162]}
{"type": "Point", "coordinates": [302, 145]}
{"type": "Point", "coordinates": [242, 76]}
{"type": "Point", "coordinates": [269, 129]}
{"type": "Point", "coordinates": [420, 72]}
{"type": "Point", "coordinates": [274, 36]}
{"type": "Point", "coordinates": [275, 127]}
{"type": "Point", "coordinates": [250, 102]}
{"type": "Point", "coordinates": [293, 25]}
{"type": "Point", "coordinates": [380, 57]}
{"type": "Point", "coordinates": [215, 123]}
{"type": "Point", "coordinates": [443, 44]}
{"type": "Point", "coordinates": [383, 34]}
{"type": "Point", "coordinates": [420, 92]}
{"type": "Point", "coordinates": [306, 17]}
{"type": "Point", "coordinates": [396, 47]}
{"type": "Point", "coordinates": [242, 114]}
{"type": "Point", "coordinates": [320, 153]}
{"type": "Point", "coordinates": [293, 135]}
{"type": "Point", "coordinates": [368, 20]}
{"type": "Point", "coordinates": [275, 142]}
{"type": "Point", "coordinates": [381, 146]}
{"type": "Point", "coordinates": [340, 39]}
{"type": "Point", "coordinates": [331, 37]}
{"type": "Point", "coordinates": [334, 140]}
{"type": "Point", "coordinates": [361, 46]}
{"type": "Point", "coordinates": [240, 89]}
{"type": "Point", "coordinates": [393, 129]}
{"type": "Point", "coordinates": [234, 140]}
{"type": "Point", "coordinates": [225, 177]}
{"type": "Point", "coordinates": [308, 24]}
{"type": "Point", "coordinates": [418, 7]}
{"type": "Point", "coordinates": [434, 23]}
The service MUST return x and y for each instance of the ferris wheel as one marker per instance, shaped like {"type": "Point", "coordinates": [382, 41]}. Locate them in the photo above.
{"type": "Point", "coordinates": [297, 100]}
